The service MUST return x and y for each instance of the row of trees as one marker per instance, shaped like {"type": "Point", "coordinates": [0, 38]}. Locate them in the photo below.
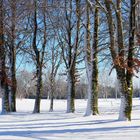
{"type": "Point", "coordinates": [54, 34]}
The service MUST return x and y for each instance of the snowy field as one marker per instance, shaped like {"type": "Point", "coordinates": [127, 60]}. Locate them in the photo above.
{"type": "Point", "coordinates": [59, 125]}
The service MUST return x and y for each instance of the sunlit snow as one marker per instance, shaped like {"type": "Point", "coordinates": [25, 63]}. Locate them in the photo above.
{"type": "Point", "coordinates": [59, 125]}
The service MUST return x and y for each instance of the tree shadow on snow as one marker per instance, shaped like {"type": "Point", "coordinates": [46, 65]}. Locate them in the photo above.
{"type": "Point", "coordinates": [31, 133]}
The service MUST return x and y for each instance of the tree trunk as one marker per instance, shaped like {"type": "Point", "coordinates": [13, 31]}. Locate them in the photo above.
{"type": "Point", "coordinates": [89, 90]}
{"type": "Point", "coordinates": [88, 61]}
{"type": "Point", "coordinates": [131, 52]}
{"type": "Point", "coordinates": [38, 90]}
{"type": "Point", "coordinates": [126, 101]}
{"type": "Point", "coordinates": [38, 63]}
{"type": "Point", "coordinates": [39, 53]}
{"type": "Point", "coordinates": [138, 21]}
{"type": "Point", "coordinates": [118, 61]}
{"type": "Point", "coordinates": [91, 62]}
{"type": "Point", "coordinates": [13, 80]}
{"type": "Point", "coordinates": [121, 68]}
{"type": "Point", "coordinates": [5, 100]}
{"type": "Point", "coordinates": [51, 101]}
{"type": "Point", "coordinates": [71, 92]}
{"type": "Point", "coordinates": [3, 76]}
{"type": "Point", "coordinates": [13, 58]}
{"type": "Point", "coordinates": [95, 63]}
{"type": "Point", "coordinates": [52, 93]}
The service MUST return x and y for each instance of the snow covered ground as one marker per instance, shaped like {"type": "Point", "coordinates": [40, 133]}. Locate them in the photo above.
{"type": "Point", "coordinates": [59, 125]}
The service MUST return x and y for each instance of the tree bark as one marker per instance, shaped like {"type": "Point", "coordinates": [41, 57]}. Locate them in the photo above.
{"type": "Point", "coordinates": [13, 58]}
{"type": "Point", "coordinates": [3, 75]}
{"type": "Point", "coordinates": [38, 90]}
{"type": "Point", "coordinates": [52, 80]}
{"type": "Point", "coordinates": [13, 79]}
{"type": "Point", "coordinates": [123, 73]}
{"type": "Point", "coordinates": [95, 62]}
{"type": "Point", "coordinates": [88, 61]}
{"type": "Point", "coordinates": [39, 55]}
{"type": "Point", "coordinates": [92, 61]}
{"type": "Point", "coordinates": [138, 21]}
{"type": "Point", "coordinates": [72, 52]}
{"type": "Point", "coordinates": [71, 91]}
{"type": "Point", "coordinates": [131, 52]}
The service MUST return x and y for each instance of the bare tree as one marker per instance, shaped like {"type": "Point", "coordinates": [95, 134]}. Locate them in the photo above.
{"type": "Point", "coordinates": [70, 45]}
{"type": "Point", "coordinates": [12, 55]}
{"type": "Point", "coordinates": [39, 53]}
{"type": "Point", "coordinates": [56, 58]}
{"type": "Point", "coordinates": [92, 60]}
{"type": "Point", "coordinates": [124, 70]}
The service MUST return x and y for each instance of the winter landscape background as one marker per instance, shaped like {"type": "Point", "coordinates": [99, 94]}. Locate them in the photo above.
{"type": "Point", "coordinates": [69, 69]}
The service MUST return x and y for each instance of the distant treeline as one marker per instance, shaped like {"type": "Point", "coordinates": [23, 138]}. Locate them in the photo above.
{"type": "Point", "coordinates": [26, 88]}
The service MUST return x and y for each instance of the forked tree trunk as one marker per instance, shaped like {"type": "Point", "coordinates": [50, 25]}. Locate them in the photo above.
{"type": "Point", "coordinates": [120, 70]}
{"type": "Point", "coordinates": [124, 74]}
{"type": "Point", "coordinates": [39, 56]}
{"type": "Point", "coordinates": [126, 81]}
{"type": "Point", "coordinates": [72, 53]}
{"type": "Point", "coordinates": [91, 62]}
